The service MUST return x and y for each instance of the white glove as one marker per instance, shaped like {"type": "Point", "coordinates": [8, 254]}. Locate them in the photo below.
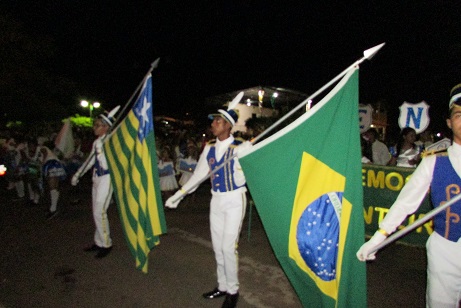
{"type": "Point", "coordinates": [364, 252]}
{"type": "Point", "coordinates": [244, 146]}
{"type": "Point", "coordinates": [75, 179]}
{"type": "Point", "coordinates": [174, 200]}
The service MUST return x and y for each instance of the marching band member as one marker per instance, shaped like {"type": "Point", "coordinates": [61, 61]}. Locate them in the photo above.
{"type": "Point", "coordinates": [441, 174]}
{"type": "Point", "coordinates": [102, 186]}
{"type": "Point", "coordinates": [228, 201]}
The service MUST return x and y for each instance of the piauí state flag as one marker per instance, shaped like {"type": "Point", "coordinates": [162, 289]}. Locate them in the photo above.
{"type": "Point", "coordinates": [306, 183]}
{"type": "Point", "coordinates": [130, 152]}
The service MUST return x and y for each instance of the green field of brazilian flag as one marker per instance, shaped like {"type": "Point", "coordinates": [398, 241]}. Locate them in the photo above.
{"type": "Point", "coordinates": [306, 184]}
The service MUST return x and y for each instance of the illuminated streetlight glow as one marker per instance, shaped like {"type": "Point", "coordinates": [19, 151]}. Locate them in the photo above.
{"type": "Point", "coordinates": [2, 170]}
{"type": "Point", "coordinates": [86, 104]}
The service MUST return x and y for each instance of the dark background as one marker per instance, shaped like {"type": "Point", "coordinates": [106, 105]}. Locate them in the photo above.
{"type": "Point", "coordinates": [56, 53]}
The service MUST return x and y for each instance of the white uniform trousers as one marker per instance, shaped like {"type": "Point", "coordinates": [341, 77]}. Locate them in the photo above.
{"type": "Point", "coordinates": [102, 193]}
{"type": "Point", "coordinates": [443, 272]}
{"type": "Point", "coordinates": [227, 211]}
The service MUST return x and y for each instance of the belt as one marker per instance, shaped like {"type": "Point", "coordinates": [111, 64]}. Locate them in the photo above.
{"type": "Point", "coordinates": [101, 172]}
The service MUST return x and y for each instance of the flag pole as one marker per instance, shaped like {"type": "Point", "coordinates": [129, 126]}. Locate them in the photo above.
{"type": "Point", "coordinates": [153, 66]}
{"type": "Point", "coordinates": [416, 224]}
{"type": "Point", "coordinates": [367, 55]}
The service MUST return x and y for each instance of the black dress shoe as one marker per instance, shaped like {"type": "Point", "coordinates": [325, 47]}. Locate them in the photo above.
{"type": "Point", "coordinates": [214, 294]}
{"type": "Point", "coordinates": [51, 215]}
{"type": "Point", "coordinates": [103, 251]}
{"type": "Point", "coordinates": [231, 300]}
{"type": "Point", "coordinates": [93, 247]}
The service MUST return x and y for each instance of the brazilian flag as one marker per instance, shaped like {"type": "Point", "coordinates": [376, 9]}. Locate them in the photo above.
{"type": "Point", "coordinates": [131, 155]}
{"type": "Point", "coordinates": [306, 184]}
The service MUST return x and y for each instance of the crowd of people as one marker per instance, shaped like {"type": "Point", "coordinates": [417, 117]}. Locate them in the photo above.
{"type": "Point", "coordinates": [35, 168]}
{"type": "Point", "coordinates": [405, 152]}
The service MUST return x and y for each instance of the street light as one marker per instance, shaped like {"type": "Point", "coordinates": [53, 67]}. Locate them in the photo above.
{"type": "Point", "coordinates": [91, 106]}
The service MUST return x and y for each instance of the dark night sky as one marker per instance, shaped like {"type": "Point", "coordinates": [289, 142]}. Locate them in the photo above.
{"type": "Point", "coordinates": [210, 47]}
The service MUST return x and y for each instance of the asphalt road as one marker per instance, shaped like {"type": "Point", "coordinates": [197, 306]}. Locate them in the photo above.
{"type": "Point", "coordinates": [42, 263]}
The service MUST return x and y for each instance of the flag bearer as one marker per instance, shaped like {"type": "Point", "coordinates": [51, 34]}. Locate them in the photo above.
{"type": "Point", "coordinates": [228, 202]}
{"type": "Point", "coordinates": [102, 186]}
{"type": "Point", "coordinates": [441, 173]}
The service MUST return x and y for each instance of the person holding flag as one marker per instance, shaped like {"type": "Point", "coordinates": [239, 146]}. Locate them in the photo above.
{"type": "Point", "coordinates": [439, 173]}
{"type": "Point", "coordinates": [228, 201]}
{"type": "Point", "coordinates": [102, 186]}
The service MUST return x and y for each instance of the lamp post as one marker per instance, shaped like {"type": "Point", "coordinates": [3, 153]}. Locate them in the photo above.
{"type": "Point", "coordinates": [91, 106]}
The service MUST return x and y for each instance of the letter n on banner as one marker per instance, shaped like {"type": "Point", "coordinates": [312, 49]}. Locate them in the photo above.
{"type": "Point", "coordinates": [415, 116]}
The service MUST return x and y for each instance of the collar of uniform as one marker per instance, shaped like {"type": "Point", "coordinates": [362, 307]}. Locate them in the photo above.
{"type": "Point", "coordinates": [456, 148]}
{"type": "Point", "coordinates": [225, 142]}
{"type": "Point", "coordinates": [222, 146]}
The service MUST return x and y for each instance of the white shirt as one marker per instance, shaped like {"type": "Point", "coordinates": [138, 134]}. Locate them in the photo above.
{"type": "Point", "coordinates": [97, 151]}
{"type": "Point", "coordinates": [380, 152]}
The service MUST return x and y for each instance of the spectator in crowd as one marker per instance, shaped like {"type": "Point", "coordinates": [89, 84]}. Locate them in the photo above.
{"type": "Point", "coordinates": [187, 165]}
{"type": "Point", "coordinates": [33, 173]}
{"type": "Point", "coordinates": [14, 164]}
{"type": "Point", "coordinates": [405, 153]}
{"type": "Point", "coordinates": [167, 173]}
{"type": "Point", "coordinates": [380, 152]}
{"type": "Point", "coordinates": [425, 139]}
{"type": "Point", "coordinates": [366, 151]}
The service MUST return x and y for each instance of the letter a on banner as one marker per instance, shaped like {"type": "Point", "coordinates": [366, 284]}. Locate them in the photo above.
{"type": "Point", "coordinates": [415, 116]}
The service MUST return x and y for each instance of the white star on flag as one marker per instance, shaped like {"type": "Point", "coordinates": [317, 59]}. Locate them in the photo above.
{"type": "Point", "coordinates": [143, 112]}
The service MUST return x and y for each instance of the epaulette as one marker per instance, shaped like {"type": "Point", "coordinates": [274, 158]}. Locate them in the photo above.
{"type": "Point", "coordinates": [442, 152]}
{"type": "Point", "coordinates": [238, 141]}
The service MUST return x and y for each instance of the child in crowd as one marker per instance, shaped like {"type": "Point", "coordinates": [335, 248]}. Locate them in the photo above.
{"type": "Point", "coordinates": [168, 183]}
{"type": "Point", "coordinates": [187, 165]}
